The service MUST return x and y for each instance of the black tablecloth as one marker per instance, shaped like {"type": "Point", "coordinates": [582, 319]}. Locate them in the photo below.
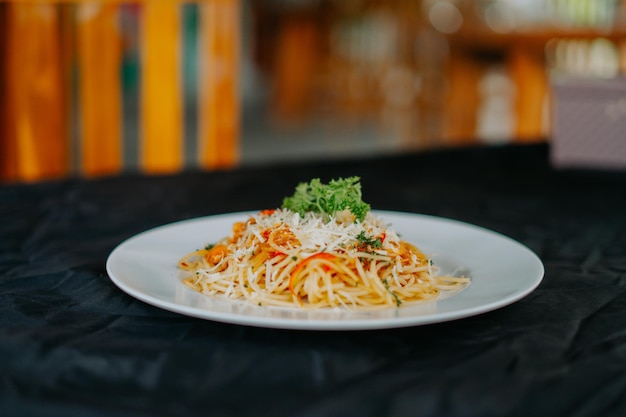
{"type": "Point", "coordinates": [73, 344]}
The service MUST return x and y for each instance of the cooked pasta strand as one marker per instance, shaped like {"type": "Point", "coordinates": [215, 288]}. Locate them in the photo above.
{"type": "Point", "coordinates": [279, 258]}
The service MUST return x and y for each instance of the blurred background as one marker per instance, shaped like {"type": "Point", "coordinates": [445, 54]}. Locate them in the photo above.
{"type": "Point", "coordinates": [265, 81]}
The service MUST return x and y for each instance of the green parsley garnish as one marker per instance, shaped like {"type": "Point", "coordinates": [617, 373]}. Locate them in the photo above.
{"type": "Point", "coordinates": [338, 195]}
{"type": "Point", "coordinates": [366, 242]}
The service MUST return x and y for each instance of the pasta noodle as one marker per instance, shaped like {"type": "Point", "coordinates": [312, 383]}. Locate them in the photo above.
{"type": "Point", "coordinates": [282, 258]}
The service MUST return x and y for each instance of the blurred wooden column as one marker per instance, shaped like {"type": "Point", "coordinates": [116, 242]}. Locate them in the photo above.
{"type": "Point", "coordinates": [33, 136]}
{"type": "Point", "coordinates": [219, 75]}
{"type": "Point", "coordinates": [99, 53]}
{"type": "Point", "coordinates": [161, 142]}
{"type": "Point", "coordinates": [296, 66]}
{"type": "Point", "coordinates": [459, 119]}
{"type": "Point", "coordinates": [529, 74]}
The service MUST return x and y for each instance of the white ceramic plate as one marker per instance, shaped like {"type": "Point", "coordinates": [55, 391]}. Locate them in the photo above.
{"type": "Point", "coordinates": [502, 271]}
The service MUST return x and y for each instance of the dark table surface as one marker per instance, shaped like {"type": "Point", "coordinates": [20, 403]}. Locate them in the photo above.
{"type": "Point", "coordinates": [73, 344]}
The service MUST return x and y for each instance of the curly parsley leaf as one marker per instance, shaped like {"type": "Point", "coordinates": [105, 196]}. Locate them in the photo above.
{"type": "Point", "coordinates": [338, 195]}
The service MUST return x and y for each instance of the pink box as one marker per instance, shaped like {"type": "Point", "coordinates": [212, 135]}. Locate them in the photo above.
{"type": "Point", "coordinates": [589, 124]}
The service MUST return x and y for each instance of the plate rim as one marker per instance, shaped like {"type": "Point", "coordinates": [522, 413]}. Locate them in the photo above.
{"type": "Point", "coordinates": [325, 324]}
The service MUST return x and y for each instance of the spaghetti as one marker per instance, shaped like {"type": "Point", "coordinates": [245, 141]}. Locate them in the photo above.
{"type": "Point", "coordinates": [283, 258]}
